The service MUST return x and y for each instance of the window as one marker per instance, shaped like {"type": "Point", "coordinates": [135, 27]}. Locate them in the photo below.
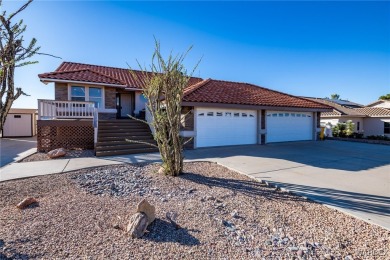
{"type": "Point", "coordinates": [293, 114]}
{"type": "Point", "coordinates": [236, 114]}
{"type": "Point", "coordinates": [77, 93]}
{"type": "Point", "coordinates": [286, 114]}
{"type": "Point", "coordinates": [387, 128]}
{"type": "Point", "coordinates": [244, 114]}
{"type": "Point", "coordinates": [250, 115]}
{"type": "Point", "coordinates": [298, 115]}
{"type": "Point", "coordinates": [303, 115]}
{"type": "Point", "coordinates": [92, 94]}
{"type": "Point", "coordinates": [280, 114]}
{"type": "Point", "coordinates": [358, 126]}
{"type": "Point", "coordinates": [201, 114]}
{"type": "Point", "coordinates": [228, 114]}
{"type": "Point", "coordinates": [274, 115]}
{"type": "Point", "coordinates": [219, 113]}
{"type": "Point", "coordinates": [95, 95]}
{"type": "Point", "coordinates": [210, 113]}
{"type": "Point", "coordinates": [17, 116]}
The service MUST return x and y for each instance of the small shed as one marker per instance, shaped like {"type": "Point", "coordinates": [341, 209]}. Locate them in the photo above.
{"type": "Point", "coordinates": [20, 122]}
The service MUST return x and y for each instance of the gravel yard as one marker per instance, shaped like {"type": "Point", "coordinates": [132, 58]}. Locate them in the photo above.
{"type": "Point", "coordinates": [69, 154]}
{"type": "Point", "coordinates": [221, 215]}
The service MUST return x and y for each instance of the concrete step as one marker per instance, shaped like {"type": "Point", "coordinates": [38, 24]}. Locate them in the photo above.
{"type": "Point", "coordinates": [112, 135]}
{"type": "Point", "coordinates": [119, 142]}
{"type": "Point", "coordinates": [124, 127]}
{"type": "Point", "coordinates": [128, 146]}
{"type": "Point", "coordinates": [128, 151]}
{"type": "Point", "coordinates": [124, 133]}
{"type": "Point", "coordinates": [120, 122]}
{"type": "Point", "coordinates": [123, 138]}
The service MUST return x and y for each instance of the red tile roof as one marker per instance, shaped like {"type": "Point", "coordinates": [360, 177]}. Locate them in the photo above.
{"type": "Point", "coordinates": [338, 110]}
{"type": "Point", "coordinates": [198, 90]}
{"type": "Point", "coordinates": [83, 75]}
{"type": "Point", "coordinates": [71, 71]}
{"type": "Point", "coordinates": [226, 92]}
{"type": "Point", "coordinates": [374, 111]}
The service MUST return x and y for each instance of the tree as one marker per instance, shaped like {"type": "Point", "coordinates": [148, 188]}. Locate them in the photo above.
{"type": "Point", "coordinates": [335, 96]}
{"type": "Point", "coordinates": [349, 128]}
{"type": "Point", "coordinates": [163, 86]}
{"type": "Point", "coordinates": [385, 97]}
{"type": "Point", "coordinates": [13, 54]}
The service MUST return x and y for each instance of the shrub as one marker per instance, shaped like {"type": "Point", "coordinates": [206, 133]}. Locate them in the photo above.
{"type": "Point", "coordinates": [339, 130]}
{"type": "Point", "coordinates": [378, 137]}
{"type": "Point", "coordinates": [349, 127]}
{"type": "Point", "coordinates": [343, 129]}
{"type": "Point", "coordinates": [357, 135]}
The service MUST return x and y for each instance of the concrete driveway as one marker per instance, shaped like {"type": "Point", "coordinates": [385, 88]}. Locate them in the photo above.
{"type": "Point", "coordinates": [353, 177]}
{"type": "Point", "coordinates": [14, 149]}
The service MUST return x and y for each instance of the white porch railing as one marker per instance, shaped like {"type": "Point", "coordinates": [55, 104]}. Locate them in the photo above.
{"type": "Point", "coordinates": [55, 109]}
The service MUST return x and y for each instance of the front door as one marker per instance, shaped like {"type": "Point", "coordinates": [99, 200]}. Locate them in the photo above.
{"type": "Point", "coordinates": [126, 103]}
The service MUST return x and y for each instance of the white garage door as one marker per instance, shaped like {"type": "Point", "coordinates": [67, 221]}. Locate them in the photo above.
{"type": "Point", "coordinates": [285, 126]}
{"type": "Point", "coordinates": [219, 127]}
{"type": "Point", "coordinates": [17, 125]}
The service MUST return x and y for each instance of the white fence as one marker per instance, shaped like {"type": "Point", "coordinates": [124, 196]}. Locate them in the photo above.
{"type": "Point", "coordinates": [54, 109]}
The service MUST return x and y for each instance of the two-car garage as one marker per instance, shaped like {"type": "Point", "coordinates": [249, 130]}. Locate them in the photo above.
{"type": "Point", "coordinates": [220, 127]}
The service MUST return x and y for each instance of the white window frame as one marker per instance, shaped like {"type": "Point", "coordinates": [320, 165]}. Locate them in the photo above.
{"type": "Point", "coordinates": [86, 87]}
{"type": "Point", "coordinates": [70, 98]}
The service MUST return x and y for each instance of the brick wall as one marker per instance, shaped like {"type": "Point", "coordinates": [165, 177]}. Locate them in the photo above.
{"type": "Point", "coordinates": [61, 91]}
{"type": "Point", "coordinates": [110, 98]}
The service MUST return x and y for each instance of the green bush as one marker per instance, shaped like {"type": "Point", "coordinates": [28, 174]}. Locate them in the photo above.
{"type": "Point", "coordinates": [378, 137]}
{"type": "Point", "coordinates": [357, 135]}
{"type": "Point", "coordinates": [344, 129]}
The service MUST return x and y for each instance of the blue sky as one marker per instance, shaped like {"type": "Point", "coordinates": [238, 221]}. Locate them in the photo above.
{"type": "Point", "coordinates": [302, 48]}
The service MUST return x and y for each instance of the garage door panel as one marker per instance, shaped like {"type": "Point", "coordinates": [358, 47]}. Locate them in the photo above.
{"type": "Point", "coordinates": [289, 126]}
{"type": "Point", "coordinates": [17, 125]}
{"type": "Point", "coordinates": [219, 127]}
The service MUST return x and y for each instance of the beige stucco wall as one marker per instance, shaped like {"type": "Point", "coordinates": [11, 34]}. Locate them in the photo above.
{"type": "Point", "coordinates": [140, 102]}
{"type": "Point", "coordinates": [375, 126]}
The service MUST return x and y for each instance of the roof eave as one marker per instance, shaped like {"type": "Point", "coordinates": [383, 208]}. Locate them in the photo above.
{"type": "Point", "coordinates": [377, 102]}
{"type": "Point", "coordinates": [332, 116]}
{"type": "Point", "coordinates": [226, 105]}
{"type": "Point", "coordinates": [47, 80]}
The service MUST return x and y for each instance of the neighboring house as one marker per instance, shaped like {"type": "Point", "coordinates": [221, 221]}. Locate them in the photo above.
{"type": "Point", "coordinates": [377, 120]}
{"type": "Point", "coordinates": [380, 103]}
{"type": "Point", "coordinates": [221, 112]}
{"type": "Point", "coordinates": [371, 120]}
{"type": "Point", "coordinates": [343, 111]}
{"type": "Point", "coordinates": [20, 122]}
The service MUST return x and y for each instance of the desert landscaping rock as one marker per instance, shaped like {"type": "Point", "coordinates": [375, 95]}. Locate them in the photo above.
{"type": "Point", "coordinates": [137, 225]}
{"type": "Point", "coordinates": [100, 199]}
{"type": "Point", "coordinates": [26, 202]}
{"type": "Point", "coordinates": [56, 153]}
{"type": "Point", "coordinates": [147, 209]}
{"type": "Point", "coordinates": [116, 181]}
{"type": "Point", "coordinates": [161, 171]}
{"type": "Point", "coordinates": [69, 154]}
